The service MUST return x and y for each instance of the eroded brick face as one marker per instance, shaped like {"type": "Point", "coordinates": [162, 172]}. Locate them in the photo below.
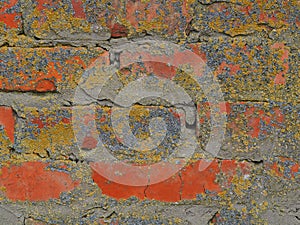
{"type": "Point", "coordinates": [55, 123]}
{"type": "Point", "coordinates": [185, 185]}
{"type": "Point", "coordinates": [7, 121]}
{"type": "Point", "coordinates": [10, 15]}
{"type": "Point", "coordinates": [34, 182]}
{"type": "Point", "coordinates": [44, 69]}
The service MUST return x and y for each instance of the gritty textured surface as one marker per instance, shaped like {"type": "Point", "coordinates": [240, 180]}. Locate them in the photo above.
{"type": "Point", "coordinates": [251, 47]}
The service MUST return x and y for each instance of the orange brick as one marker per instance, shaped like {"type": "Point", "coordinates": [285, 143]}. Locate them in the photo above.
{"type": "Point", "coordinates": [7, 121]}
{"type": "Point", "coordinates": [196, 178]}
{"type": "Point", "coordinates": [119, 19]}
{"type": "Point", "coordinates": [44, 69]}
{"type": "Point", "coordinates": [10, 18]}
{"type": "Point", "coordinates": [32, 181]}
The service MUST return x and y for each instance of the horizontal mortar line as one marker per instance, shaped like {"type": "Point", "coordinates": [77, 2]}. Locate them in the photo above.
{"type": "Point", "coordinates": [53, 107]}
{"type": "Point", "coordinates": [107, 45]}
{"type": "Point", "coordinates": [220, 1]}
{"type": "Point", "coordinates": [84, 42]}
{"type": "Point", "coordinates": [61, 44]}
{"type": "Point", "coordinates": [69, 42]}
{"type": "Point", "coordinates": [31, 97]}
{"type": "Point", "coordinates": [238, 159]}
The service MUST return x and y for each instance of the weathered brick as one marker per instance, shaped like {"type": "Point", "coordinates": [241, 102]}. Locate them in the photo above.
{"type": "Point", "coordinates": [252, 49]}
{"type": "Point", "coordinates": [192, 180]}
{"type": "Point", "coordinates": [116, 190]}
{"type": "Point", "coordinates": [240, 67]}
{"type": "Point", "coordinates": [284, 167]}
{"type": "Point", "coordinates": [260, 130]}
{"type": "Point", "coordinates": [254, 130]}
{"type": "Point", "coordinates": [43, 69]}
{"type": "Point", "coordinates": [46, 132]}
{"type": "Point", "coordinates": [161, 191]}
{"type": "Point", "coordinates": [83, 20]}
{"type": "Point", "coordinates": [244, 17]}
{"type": "Point", "coordinates": [7, 121]}
{"type": "Point", "coordinates": [251, 70]}
{"type": "Point", "coordinates": [33, 181]}
{"type": "Point", "coordinates": [10, 16]}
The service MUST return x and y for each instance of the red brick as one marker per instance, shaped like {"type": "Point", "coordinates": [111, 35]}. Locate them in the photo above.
{"type": "Point", "coordinates": [168, 190]}
{"type": "Point", "coordinates": [162, 65]}
{"type": "Point", "coordinates": [196, 178]}
{"type": "Point", "coordinates": [280, 79]}
{"type": "Point", "coordinates": [7, 120]}
{"type": "Point", "coordinates": [119, 18]}
{"type": "Point", "coordinates": [78, 9]}
{"type": "Point", "coordinates": [44, 69]}
{"type": "Point", "coordinates": [197, 182]}
{"type": "Point", "coordinates": [245, 18]}
{"type": "Point", "coordinates": [251, 121]}
{"type": "Point", "coordinates": [246, 121]}
{"type": "Point", "coordinates": [284, 167]}
{"type": "Point", "coordinates": [244, 70]}
{"type": "Point", "coordinates": [45, 85]}
{"type": "Point", "coordinates": [247, 125]}
{"type": "Point", "coordinates": [232, 68]}
{"type": "Point", "coordinates": [149, 14]}
{"type": "Point", "coordinates": [119, 30]}
{"type": "Point", "coordinates": [11, 19]}
{"type": "Point", "coordinates": [113, 189]}
{"type": "Point", "coordinates": [195, 48]}
{"type": "Point", "coordinates": [32, 181]}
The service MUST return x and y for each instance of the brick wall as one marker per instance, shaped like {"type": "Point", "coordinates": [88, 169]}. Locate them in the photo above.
{"type": "Point", "coordinates": [47, 48]}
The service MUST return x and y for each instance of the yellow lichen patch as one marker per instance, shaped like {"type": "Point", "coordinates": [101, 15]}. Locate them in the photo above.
{"type": "Point", "coordinates": [240, 184]}
{"type": "Point", "coordinates": [2, 26]}
{"type": "Point", "coordinates": [58, 21]}
{"type": "Point", "coordinates": [148, 26]}
{"type": "Point", "coordinates": [138, 113]}
{"type": "Point", "coordinates": [244, 29]}
{"type": "Point", "coordinates": [49, 140]}
{"type": "Point", "coordinates": [222, 194]}
{"type": "Point", "coordinates": [2, 190]}
{"type": "Point", "coordinates": [257, 208]}
{"type": "Point", "coordinates": [4, 143]}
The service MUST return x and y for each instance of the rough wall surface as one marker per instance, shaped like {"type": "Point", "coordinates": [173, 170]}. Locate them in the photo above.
{"type": "Point", "coordinates": [250, 46]}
